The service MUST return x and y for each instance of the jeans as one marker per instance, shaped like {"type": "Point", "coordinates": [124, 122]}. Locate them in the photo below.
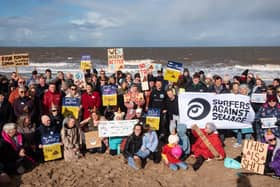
{"type": "Point", "coordinates": [143, 153]}
{"type": "Point", "coordinates": [131, 163]}
{"type": "Point", "coordinates": [239, 137]}
{"type": "Point", "coordinates": [178, 165]}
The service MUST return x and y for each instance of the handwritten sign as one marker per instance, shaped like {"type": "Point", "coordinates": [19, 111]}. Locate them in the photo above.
{"type": "Point", "coordinates": [70, 106]}
{"type": "Point", "coordinates": [258, 98]}
{"type": "Point", "coordinates": [92, 140]}
{"type": "Point", "coordinates": [144, 76]}
{"type": "Point", "coordinates": [52, 152]}
{"type": "Point", "coordinates": [153, 118]}
{"type": "Point", "coordinates": [268, 122]}
{"type": "Point", "coordinates": [109, 95]}
{"type": "Point", "coordinates": [116, 128]}
{"type": "Point", "coordinates": [86, 62]}
{"type": "Point", "coordinates": [21, 59]}
{"type": "Point", "coordinates": [115, 59]}
{"type": "Point", "coordinates": [254, 156]}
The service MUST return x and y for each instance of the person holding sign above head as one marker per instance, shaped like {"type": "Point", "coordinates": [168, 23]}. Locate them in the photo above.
{"type": "Point", "coordinates": [206, 144]}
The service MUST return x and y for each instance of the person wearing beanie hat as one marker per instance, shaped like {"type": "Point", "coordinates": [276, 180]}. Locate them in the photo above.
{"type": "Point", "coordinates": [270, 109]}
{"type": "Point", "coordinates": [171, 160]}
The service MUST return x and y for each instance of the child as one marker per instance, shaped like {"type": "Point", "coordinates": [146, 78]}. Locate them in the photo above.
{"type": "Point", "coordinates": [171, 154]}
{"type": "Point", "coordinates": [71, 139]}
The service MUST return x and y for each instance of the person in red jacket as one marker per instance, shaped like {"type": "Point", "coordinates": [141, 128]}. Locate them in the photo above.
{"type": "Point", "coordinates": [51, 98]}
{"type": "Point", "coordinates": [201, 151]}
{"type": "Point", "coordinates": [89, 100]}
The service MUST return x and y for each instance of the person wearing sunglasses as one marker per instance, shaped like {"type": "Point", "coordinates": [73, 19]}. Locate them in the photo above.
{"type": "Point", "coordinates": [73, 92]}
{"type": "Point", "coordinates": [23, 104]}
{"type": "Point", "coordinates": [273, 154]}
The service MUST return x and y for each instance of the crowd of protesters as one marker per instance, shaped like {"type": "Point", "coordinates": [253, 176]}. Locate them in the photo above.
{"type": "Point", "coordinates": [31, 108]}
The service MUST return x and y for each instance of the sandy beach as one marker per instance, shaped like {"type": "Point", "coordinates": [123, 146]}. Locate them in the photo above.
{"type": "Point", "coordinates": [107, 170]}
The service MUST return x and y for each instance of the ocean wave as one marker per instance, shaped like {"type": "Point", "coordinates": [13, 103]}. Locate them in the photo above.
{"type": "Point", "coordinates": [265, 67]}
{"type": "Point", "coordinates": [138, 61]}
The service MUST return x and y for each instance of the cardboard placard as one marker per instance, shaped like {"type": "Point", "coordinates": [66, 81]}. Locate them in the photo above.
{"type": "Point", "coordinates": [254, 156]}
{"type": "Point", "coordinates": [115, 59]}
{"type": "Point", "coordinates": [52, 152]}
{"type": "Point", "coordinates": [205, 141]}
{"type": "Point", "coordinates": [92, 140]}
{"type": "Point", "coordinates": [13, 60]}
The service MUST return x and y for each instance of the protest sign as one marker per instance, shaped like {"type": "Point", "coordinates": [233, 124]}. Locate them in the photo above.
{"type": "Point", "coordinates": [205, 141]}
{"type": "Point", "coordinates": [14, 60]}
{"type": "Point", "coordinates": [254, 156]}
{"type": "Point", "coordinates": [71, 106]}
{"type": "Point", "coordinates": [153, 118]}
{"type": "Point", "coordinates": [258, 98]}
{"type": "Point", "coordinates": [135, 97]}
{"type": "Point", "coordinates": [226, 111]}
{"type": "Point", "coordinates": [116, 128]}
{"type": "Point", "coordinates": [109, 95]}
{"type": "Point", "coordinates": [115, 59]}
{"type": "Point", "coordinates": [52, 152]}
{"type": "Point", "coordinates": [154, 67]}
{"type": "Point", "coordinates": [92, 139]}
{"type": "Point", "coordinates": [144, 76]}
{"type": "Point", "coordinates": [173, 71]}
{"type": "Point", "coordinates": [269, 122]}
{"type": "Point", "coordinates": [79, 79]}
{"type": "Point", "coordinates": [86, 62]}
{"type": "Point", "coordinates": [51, 146]}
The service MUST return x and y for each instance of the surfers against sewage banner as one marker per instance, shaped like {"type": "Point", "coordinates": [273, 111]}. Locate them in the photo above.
{"type": "Point", "coordinates": [227, 111]}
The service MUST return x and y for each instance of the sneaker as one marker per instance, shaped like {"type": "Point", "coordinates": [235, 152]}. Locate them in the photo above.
{"type": "Point", "coordinates": [236, 145]}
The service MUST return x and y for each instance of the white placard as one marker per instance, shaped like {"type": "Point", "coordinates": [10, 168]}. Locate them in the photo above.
{"type": "Point", "coordinates": [116, 128]}
{"type": "Point", "coordinates": [258, 98]}
{"type": "Point", "coordinates": [268, 122]}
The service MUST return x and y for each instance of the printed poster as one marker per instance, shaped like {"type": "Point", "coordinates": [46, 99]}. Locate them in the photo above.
{"type": "Point", "coordinates": [71, 106]}
{"type": "Point", "coordinates": [153, 118]}
{"type": "Point", "coordinates": [109, 95]}
{"type": "Point", "coordinates": [173, 71]}
{"type": "Point", "coordinates": [86, 62]}
{"type": "Point", "coordinates": [52, 152]}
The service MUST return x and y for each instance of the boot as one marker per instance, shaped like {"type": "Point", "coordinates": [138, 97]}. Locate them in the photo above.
{"type": "Point", "coordinates": [198, 163]}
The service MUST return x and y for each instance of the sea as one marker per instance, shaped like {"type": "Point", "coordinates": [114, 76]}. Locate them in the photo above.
{"type": "Point", "coordinates": [262, 61]}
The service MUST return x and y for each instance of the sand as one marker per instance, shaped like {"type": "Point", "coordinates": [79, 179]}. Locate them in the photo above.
{"type": "Point", "coordinates": [107, 170]}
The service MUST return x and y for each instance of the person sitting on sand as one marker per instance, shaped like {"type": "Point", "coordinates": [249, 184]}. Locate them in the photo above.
{"type": "Point", "coordinates": [132, 146]}
{"type": "Point", "coordinates": [172, 152]}
{"type": "Point", "coordinates": [200, 151]}
{"type": "Point", "coordinates": [273, 154]}
{"type": "Point", "coordinates": [71, 139]}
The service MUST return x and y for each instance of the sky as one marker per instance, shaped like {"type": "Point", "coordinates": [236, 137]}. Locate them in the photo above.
{"type": "Point", "coordinates": [139, 23]}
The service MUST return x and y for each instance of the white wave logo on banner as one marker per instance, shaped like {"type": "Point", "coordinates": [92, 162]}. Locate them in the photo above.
{"type": "Point", "coordinates": [227, 111]}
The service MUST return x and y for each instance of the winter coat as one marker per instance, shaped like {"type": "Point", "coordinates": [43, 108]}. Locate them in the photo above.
{"type": "Point", "coordinates": [23, 105]}
{"type": "Point", "coordinates": [150, 141]}
{"type": "Point", "coordinates": [184, 141]}
{"type": "Point", "coordinates": [200, 149]}
{"type": "Point", "coordinates": [197, 88]}
{"type": "Point", "coordinates": [6, 113]}
{"type": "Point", "coordinates": [71, 139]}
{"type": "Point", "coordinates": [133, 144]}
{"type": "Point", "coordinates": [50, 99]}
{"type": "Point", "coordinates": [89, 101]}
{"type": "Point", "coordinates": [166, 153]}
{"type": "Point", "coordinates": [275, 164]}
{"type": "Point", "coordinates": [157, 99]}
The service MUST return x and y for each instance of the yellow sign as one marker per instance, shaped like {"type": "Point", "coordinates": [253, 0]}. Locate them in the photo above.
{"type": "Point", "coordinates": [70, 111]}
{"type": "Point", "coordinates": [14, 60]}
{"type": "Point", "coordinates": [254, 156]}
{"type": "Point", "coordinates": [86, 65]}
{"type": "Point", "coordinates": [109, 100]}
{"type": "Point", "coordinates": [171, 75]}
{"type": "Point", "coordinates": [92, 139]}
{"type": "Point", "coordinates": [153, 122]}
{"type": "Point", "coordinates": [52, 151]}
